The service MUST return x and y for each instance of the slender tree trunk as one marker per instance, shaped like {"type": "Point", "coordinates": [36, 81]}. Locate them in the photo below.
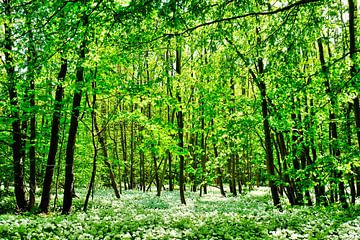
{"type": "Point", "coordinates": [203, 154]}
{"type": "Point", "coordinates": [132, 150]}
{"type": "Point", "coordinates": [333, 125]}
{"type": "Point", "coordinates": [349, 142]}
{"type": "Point", "coordinates": [180, 123]}
{"type": "Point", "coordinates": [93, 136]}
{"type": "Point", "coordinates": [54, 140]}
{"type": "Point", "coordinates": [299, 198]}
{"type": "Point", "coordinates": [233, 172]}
{"type": "Point", "coordinates": [162, 176]}
{"type": "Point", "coordinates": [170, 117]}
{"type": "Point", "coordinates": [219, 172]}
{"type": "Point", "coordinates": [102, 142]}
{"type": "Point", "coordinates": [32, 156]}
{"type": "Point", "coordinates": [194, 163]}
{"type": "Point", "coordinates": [156, 174]}
{"type": "Point", "coordinates": [290, 191]}
{"type": "Point", "coordinates": [353, 51]}
{"type": "Point", "coordinates": [142, 165]}
{"type": "Point", "coordinates": [31, 78]}
{"type": "Point", "coordinates": [124, 153]}
{"type": "Point", "coordinates": [268, 144]}
{"type": "Point", "coordinates": [17, 146]}
{"type": "Point", "coordinates": [116, 156]}
{"type": "Point", "coordinates": [58, 164]}
{"type": "Point", "coordinates": [74, 122]}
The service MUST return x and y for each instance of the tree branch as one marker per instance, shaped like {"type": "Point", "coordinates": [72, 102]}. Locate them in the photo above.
{"type": "Point", "coordinates": [299, 3]}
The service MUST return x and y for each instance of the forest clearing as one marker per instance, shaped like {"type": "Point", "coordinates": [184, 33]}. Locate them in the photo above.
{"type": "Point", "coordinates": [188, 119]}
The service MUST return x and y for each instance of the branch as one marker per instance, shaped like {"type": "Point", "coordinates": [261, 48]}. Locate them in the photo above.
{"type": "Point", "coordinates": [5, 143]}
{"type": "Point", "coordinates": [299, 3]}
{"type": "Point", "coordinates": [171, 35]}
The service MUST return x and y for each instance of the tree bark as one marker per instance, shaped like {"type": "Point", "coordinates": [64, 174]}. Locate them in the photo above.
{"type": "Point", "coordinates": [31, 78]}
{"type": "Point", "coordinates": [219, 172]}
{"type": "Point", "coordinates": [17, 145]}
{"type": "Point", "coordinates": [102, 142]}
{"type": "Point", "coordinates": [180, 123]}
{"type": "Point", "coordinates": [333, 126]}
{"type": "Point", "coordinates": [54, 140]}
{"type": "Point", "coordinates": [74, 122]}
{"type": "Point", "coordinates": [353, 50]}
{"type": "Point", "coordinates": [267, 132]}
{"type": "Point", "coordinates": [93, 137]}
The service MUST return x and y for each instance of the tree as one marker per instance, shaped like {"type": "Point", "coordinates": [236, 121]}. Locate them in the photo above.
{"type": "Point", "coordinates": [17, 142]}
{"type": "Point", "coordinates": [75, 114]}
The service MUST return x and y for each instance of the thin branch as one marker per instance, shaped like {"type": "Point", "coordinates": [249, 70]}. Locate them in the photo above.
{"type": "Point", "coordinates": [189, 30]}
{"type": "Point", "coordinates": [299, 3]}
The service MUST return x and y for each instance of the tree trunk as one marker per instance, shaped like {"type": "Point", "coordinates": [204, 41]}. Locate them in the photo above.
{"type": "Point", "coordinates": [93, 134]}
{"type": "Point", "coordinates": [203, 153]}
{"type": "Point", "coordinates": [132, 150]}
{"type": "Point", "coordinates": [267, 132]}
{"type": "Point", "coordinates": [333, 126]}
{"type": "Point", "coordinates": [353, 50]}
{"type": "Point", "coordinates": [17, 145]}
{"type": "Point", "coordinates": [74, 122]}
{"type": "Point", "coordinates": [31, 78]}
{"type": "Point", "coordinates": [219, 172]}
{"type": "Point", "coordinates": [102, 142]}
{"type": "Point", "coordinates": [124, 153]}
{"type": "Point", "coordinates": [180, 123]}
{"type": "Point", "coordinates": [51, 160]}
{"type": "Point", "coordinates": [353, 72]}
{"type": "Point", "coordinates": [32, 156]}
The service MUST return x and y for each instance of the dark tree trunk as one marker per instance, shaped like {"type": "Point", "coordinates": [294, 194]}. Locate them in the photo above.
{"type": "Point", "coordinates": [55, 127]}
{"type": "Point", "coordinates": [349, 142]}
{"type": "Point", "coordinates": [299, 198]}
{"type": "Point", "coordinates": [132, 151]}
{"type": "Point", "coordinates": [31, 78]}
{"type": "Point", "coordinates": [70, 148]}
{"type": "Point", "coordinates": [203, 154]}
{"type": "Point", "coordinates": [233, 173]}
{"type": "Point", "coordinates": [102, 142]}
{"type": "Point", "coordinates": [267, 132]}
{"type": "Point", "coordinates": [290, 191]}
{"type": "Point", "coordinates": [170, 118]}
{"type": "Point", "coordinates": [17, 146]}
{"type": "Point", "coordinates": [171, 184]}
{"type": "Point", "coordinates": [142, 171]}
{"type": "Point", "coordinates": [180, 123]}
{"type": "Point", "coordinates": [124, 153]}
{"type": "Point", "coordinates": [32, 156]}
{"type": "Point", "coordinates": [219, 172]}
{"type": "Point", "coordinates": [59, 158]}
{"type": "Point", "coordinates": [74, 122]}
{"type": "Point", "coordinates": [93, 137]}
{"type": "Point", "coordinates": [353, 50]}
{"type": "Point", "coordinates": [333, 126]}
{"type": "Point", "coordinates": [194, 163]}
{"type": "Point", "coordinates": [156, 174]}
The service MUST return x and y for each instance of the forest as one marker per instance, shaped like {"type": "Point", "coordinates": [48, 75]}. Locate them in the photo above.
{"type": "Point", "coordinates": [179, 119]}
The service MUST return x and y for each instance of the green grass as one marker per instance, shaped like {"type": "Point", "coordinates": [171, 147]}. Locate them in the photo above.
{"type": "Point", "coordinates": [140, 215]}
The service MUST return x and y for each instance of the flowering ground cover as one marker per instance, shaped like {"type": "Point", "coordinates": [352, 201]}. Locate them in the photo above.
{"type": "Point", "coordinates": [140, 215]}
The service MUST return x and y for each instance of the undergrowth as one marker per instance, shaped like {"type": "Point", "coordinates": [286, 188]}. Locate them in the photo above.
{"type": "Point", "coordinates": [140, 215]}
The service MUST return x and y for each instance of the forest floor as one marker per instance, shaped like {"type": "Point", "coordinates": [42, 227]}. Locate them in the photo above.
{"type": "Point", "coordinates": [140, 215]}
